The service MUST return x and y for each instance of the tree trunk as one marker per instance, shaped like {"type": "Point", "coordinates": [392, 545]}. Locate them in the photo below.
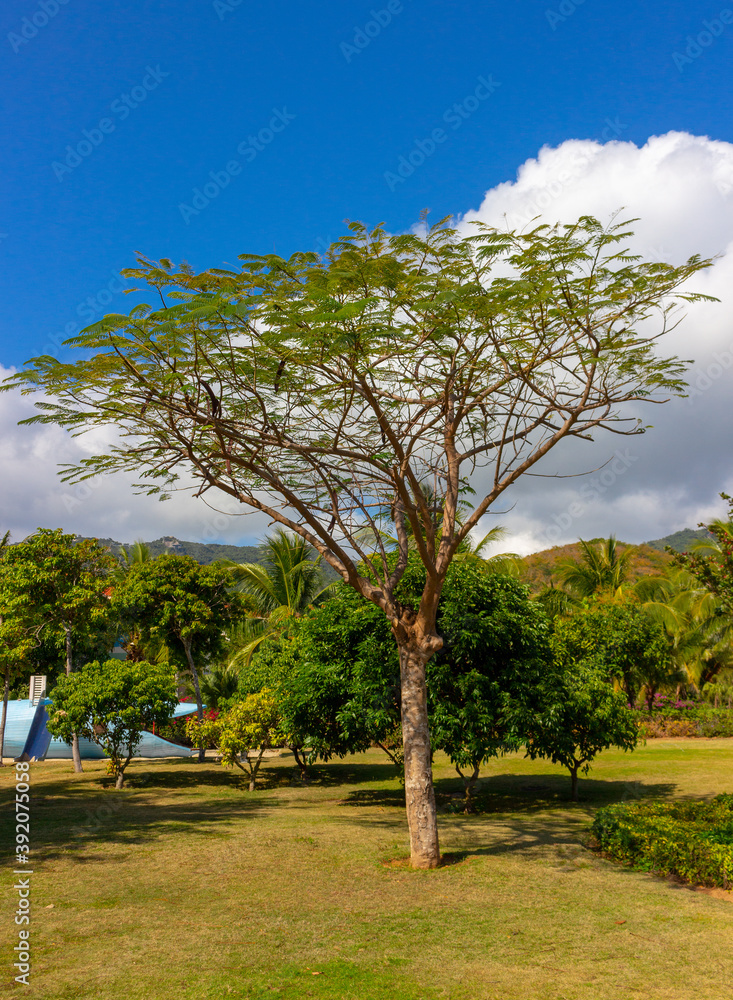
{"type": "Point", "coordinates": [574, 783]}
{"type": "Point", "coordinates": [6, 695]}
{"type": "Point", "coordinates": [75, 751]}
{"type": "Point", "coordinates": [301, 762]}
{"type": "Point", "coordinates": [469, 784]}
{"type": "Point", "coordinates": [196, 688]}
{"type": "Point", "coordinates": [422, 818]}
{"type": "Point", "coordinates": [120, 780]}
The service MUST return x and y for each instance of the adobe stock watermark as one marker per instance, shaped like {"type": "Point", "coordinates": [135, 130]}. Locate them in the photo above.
{"type": "Point", "coordinates": [92, 308]}
{"type": "Point", "coordinates": [22, 950]}
{"type": "Point", "coordinates": [700, 381]}
{"type": "Point", "coordinates": [35, 22]}
{"type": "Point", "coordinates": [696, 44]}
{"type": "Point", "coordinates": [224, 7]}
{"type": "Point", "coordinates": [249, 149]}
{"type": "Point", "coordinates": [364, 36]}
{"type": "Point", "coordinates": [454, 116]}
{"type": "Point", "coordinates": [121, 107]}
{"type": "Point", "coordinates": [565, 10]}
{"type": "Point", "coordinates": [589, 493]}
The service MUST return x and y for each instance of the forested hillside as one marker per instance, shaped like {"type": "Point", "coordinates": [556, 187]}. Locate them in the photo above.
{"type": "Point", "coordinates": [539, 568]}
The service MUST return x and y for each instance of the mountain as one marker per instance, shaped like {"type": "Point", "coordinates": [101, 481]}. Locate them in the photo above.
{"type": "Point", "coordinates": [539, 568]}
{"type": "Point", "coordinates": [200, 551]}
{"type": "Point", "coordinates": [680, 541]}
{"type": "Point", "coordinates": [206, 554]}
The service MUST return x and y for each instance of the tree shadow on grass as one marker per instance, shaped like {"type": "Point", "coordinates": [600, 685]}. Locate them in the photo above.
{"type": "Point", "coordinates": [71, 814]}
{"type": "Point", "coordinates": [511, 793]}
{"type": "Point", "coordinates": [501, 793]}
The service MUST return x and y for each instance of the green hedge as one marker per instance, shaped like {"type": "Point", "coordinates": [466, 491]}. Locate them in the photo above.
{"type": "Point", "coordinates": [692, 840]}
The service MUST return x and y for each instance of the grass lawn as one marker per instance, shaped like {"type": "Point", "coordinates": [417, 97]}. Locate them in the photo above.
{"type": "Point", "coordinates": [185, 887]}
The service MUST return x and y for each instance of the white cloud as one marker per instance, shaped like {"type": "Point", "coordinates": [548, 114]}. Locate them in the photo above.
{"type": "Point", "coordinates": [681, 188]}
{"type": "Point", "coordinates": [34, 496]}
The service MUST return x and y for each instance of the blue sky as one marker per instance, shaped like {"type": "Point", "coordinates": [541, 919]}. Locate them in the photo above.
{"type": "Point", "coordinates": [201, 129]}
{"type": "Point", "coordinates": [67, 232]}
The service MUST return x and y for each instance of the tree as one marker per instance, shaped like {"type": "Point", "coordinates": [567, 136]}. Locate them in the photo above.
{"type": "Point", "coordinates": [582, 715]}
{"type": "Point", "coordinates": [187, 606]}
{"type": "Point", "coordinates": [711, 562]}
{"type": "Point", "coordinates": [485, 679]}
{"type": "Point", "coordinates": [281, 589]}
{"type": "Point", "coordinates": [242, 734]}
{"type": "Point", "coordinates": [619, 634]}
{"type": "Point", "coordinates": [336, 677]}
{"type": "Point", "coordinates": [602, 569]}
{"type": "Point", "coordinates": [66, 583]}
{"type": "Point", "coordinates": [112, 704]}
{"type": "Point", "coordinates": [324, 391]}
{"type": "Point", "coordinates": [18, 635]}
{"type": "Point", "coordinates": [218, 685]}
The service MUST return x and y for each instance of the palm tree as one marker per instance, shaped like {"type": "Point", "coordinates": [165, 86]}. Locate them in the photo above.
{"type": "Point", "coordinates": [700, 634]}
{"type": "Point", "coordinates": [217, 685]}
{"type": "Point", "coordinates": [284, 587]}
{"type": "Point", "coordinates": [602, 569]}
{"type": "Point", "coordinates": [137, 553]}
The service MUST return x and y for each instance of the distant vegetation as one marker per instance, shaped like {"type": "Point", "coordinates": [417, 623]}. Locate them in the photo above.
{"type": "Point", "coordinates": [200, 551]}
{"type": "Point", "coordinates": [540, 569]}
{"type": "Point", "coordinates": [680, 541]}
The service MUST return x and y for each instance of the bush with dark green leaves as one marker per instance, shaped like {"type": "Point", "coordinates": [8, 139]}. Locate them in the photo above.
{"type": "Point", "coordinates": [337, 675]}
{"type": "Point", "coordinates": [692, 840]}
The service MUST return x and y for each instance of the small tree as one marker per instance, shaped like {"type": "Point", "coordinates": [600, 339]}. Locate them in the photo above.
{"type": "Point", "coordinates": [324, 391]}
{"type": "Point", "coordinates": [582, 715]}
{"type": "Point", "coordinates": [65, 585]}
{"type": "Point", "coordinates": [187, 606]}
{"type": "Point", "coordinates": [112, 704]}
{"type": "Point", "coordinates": [620, 634]}
{"type": "Point", "coordinates": [242, 734]}
{"type": "Point", "coordinates": [496, 654]}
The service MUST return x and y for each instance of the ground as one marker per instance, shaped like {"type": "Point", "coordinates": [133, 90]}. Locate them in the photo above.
{"type": "Point", "coordinates": [185, 887]}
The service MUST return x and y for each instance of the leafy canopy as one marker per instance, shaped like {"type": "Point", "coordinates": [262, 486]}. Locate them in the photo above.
{"type": "Point", "coordinates": [61, 586]}
{"type": "Point", "coordinates": [326, 390]}
{"type": "Point", "coordinates": [174, 599]}
{"type": "Point", "coordinates": [112, 704]}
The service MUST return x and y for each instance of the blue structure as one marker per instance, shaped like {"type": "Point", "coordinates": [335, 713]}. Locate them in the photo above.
{"type": "Point", "coordinates": [26, 733]}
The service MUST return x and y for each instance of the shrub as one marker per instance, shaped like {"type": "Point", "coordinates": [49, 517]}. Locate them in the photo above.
{"type": "Point", "coordinates": [686, 718]}
{"type": "Point", "coordinates": [691, 839]}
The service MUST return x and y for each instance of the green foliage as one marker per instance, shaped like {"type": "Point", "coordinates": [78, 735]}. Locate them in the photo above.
{"type": "Point", "coordinates": [176, 600]}
{"type": "Point", "coordinates": [602, 569]}
{"type": "Point", "coordinates": [112, 704]}
{"type": "Point", "coordinates": [219, 685]}
{"type": "Point", "coordinates": [582, 715]}
{"type": "Point", "coordinates": [242, 734]}
{"type": "Point", "coordinates": [301, 375]}
{"type": "Point", "coordinates": [281, 589]}
{"type": "Point", "coordinates": [337, 675]}
{"type": "Point", "coordinates": [62, 586]}
{"type": "Point", "coordinates": [485, 679]}
{"type": "Point", "coordinates": [339, 678]}
{"type": "Point", "coordinates": [711, 561]}
{"type": "Point", "coordinates": [690, 839]}
{"type": "Point", "coordinates": [619, 636]}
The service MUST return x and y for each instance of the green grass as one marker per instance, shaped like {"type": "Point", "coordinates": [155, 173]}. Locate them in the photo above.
{"type": "Point", "coordinates": [185, 887]}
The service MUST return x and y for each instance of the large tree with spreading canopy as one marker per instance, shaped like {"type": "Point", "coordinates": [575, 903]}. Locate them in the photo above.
{"type": "Point", "coordinates": [364, 387]}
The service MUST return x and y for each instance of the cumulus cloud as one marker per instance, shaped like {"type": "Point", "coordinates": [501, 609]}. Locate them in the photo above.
{"type": "Point", "coordinates": [681, 188]}
{"type": "Point", "coordinates": [33, 494]}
